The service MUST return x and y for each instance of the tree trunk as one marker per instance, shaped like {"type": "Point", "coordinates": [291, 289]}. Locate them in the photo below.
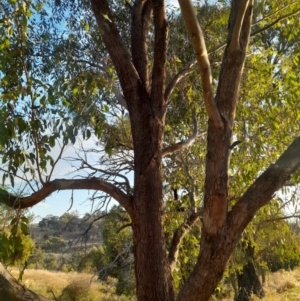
{"type": "Point", "coordinates": [12, 290]}
{"type": "Point", "coordinates": [215, 253]}
{"type": "Point", "coordinates": [249, 283]}
{"type": "Point", "coordinates": [152, 270]}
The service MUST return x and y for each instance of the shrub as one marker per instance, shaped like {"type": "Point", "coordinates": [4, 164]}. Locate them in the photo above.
{"type": "Point", "coordinates": [78, 290]}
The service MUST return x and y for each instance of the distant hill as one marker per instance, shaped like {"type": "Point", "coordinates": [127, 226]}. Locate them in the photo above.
{"type": "Point", "coordinates": [68, 232]}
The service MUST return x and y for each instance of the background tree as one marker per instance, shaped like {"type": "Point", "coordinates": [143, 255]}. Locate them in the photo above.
{"type": "Point", "coordinates": [95, 57]}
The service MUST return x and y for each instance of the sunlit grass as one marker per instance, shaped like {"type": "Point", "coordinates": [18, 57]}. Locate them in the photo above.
{"type": "Point", "coordinates": [51, 284]}
{"type": "Point", "coordinates": [279, 286]}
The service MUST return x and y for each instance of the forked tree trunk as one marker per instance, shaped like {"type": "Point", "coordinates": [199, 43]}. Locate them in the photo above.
{"type": "Point", "coordinates": [12, 290]}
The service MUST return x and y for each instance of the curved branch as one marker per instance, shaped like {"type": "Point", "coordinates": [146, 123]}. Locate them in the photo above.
{"type": "Point", "coordinates": [123, 227]}
{"type": "Point", "coordinates": [199, 46]}
{"type": "Point", "coordinates": [178, 77]}
{"type": "Point", "coordinates": [179, 234]}
{"type": "Point", "coordinates": [63, 184]}
{"type": "Point", "coordinates": [263, 189]}
{"type": "Point", "coordinates": [182, 145]}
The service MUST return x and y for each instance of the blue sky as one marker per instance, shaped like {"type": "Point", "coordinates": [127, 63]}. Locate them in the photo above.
{"type": "Point", "coordinates": [59, 202]}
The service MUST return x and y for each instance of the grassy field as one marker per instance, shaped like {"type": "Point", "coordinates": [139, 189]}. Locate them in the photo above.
{"type": "Point", "coordinates": [283, 286]}
{"type": "Point", "coordinates": [279, 286]}
{"type": "Point", "coordinates": [68, 286]}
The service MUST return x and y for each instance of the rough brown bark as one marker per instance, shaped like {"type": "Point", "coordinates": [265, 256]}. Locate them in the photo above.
{"type": "Point", "coordinates": [147, 110]}
{"type": "Point", "coordinates": [12, 290]}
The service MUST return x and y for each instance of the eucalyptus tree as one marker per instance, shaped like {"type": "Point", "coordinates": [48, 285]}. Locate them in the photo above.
{"type": "Point", "coordinates": [59, 68]}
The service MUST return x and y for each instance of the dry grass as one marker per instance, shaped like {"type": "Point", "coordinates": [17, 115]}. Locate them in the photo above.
{"type": "Point", "coordinates": [50, 284]}
{"type": "Point", "coordinates": [283, 286]}
{"type": "Point", "coordinates": [279, 286]}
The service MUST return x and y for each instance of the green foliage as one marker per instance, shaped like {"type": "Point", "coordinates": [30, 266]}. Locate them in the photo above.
{"type": "Point", "coordinates": [93, 261]}
{"type": "Point", "coordinates": [15, 242]}
{"type": "Point", "coordinates": [117, 242]}
{"type": "Point", "coordinates": [36, 259]}
{"type": "Point", "coordinates": [54, 244]}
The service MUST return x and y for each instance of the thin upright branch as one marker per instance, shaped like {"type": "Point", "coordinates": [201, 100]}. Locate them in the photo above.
{"type": "Point", "coordinates": [117, 50]}
{"type": "Point", "coordinates": [141, 13]}
{"type": "Point", "coordinates": [199, 46]}
{"type": "Point", "coordinates": [57, 159]}
{"type": "Point", "coordinates": [235, 37]}
{"type": "Point", "coordinates": [178, 235]}
{"type": "Point", "coordinates": [160, 52]}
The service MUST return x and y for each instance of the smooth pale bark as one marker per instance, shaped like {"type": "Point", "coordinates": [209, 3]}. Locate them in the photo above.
{"type": "Point", "coordinates": [12, 290]}
{"type": "Point", "coordinates": [198, 42]}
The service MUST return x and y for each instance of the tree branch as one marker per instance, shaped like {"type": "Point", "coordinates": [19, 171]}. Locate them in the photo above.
{"type": "Point", "coordinates": [160, 51]}
{"type": "Point", "coordinates": [185, 144]}
{"type": "Point", "coordinates": [274, 13]}
{"type": "Point", "coordinates": [63, 184]}
{"type": "Point", "coordinates": [178, 77]}
{"type": "Point", "coordinates": [274, 22]}
{"type": "Point", "coordinates": [11, 289]}
{"type": "Point", "coordinates": [263, 189]}
{"type": "Point", "coordinates": [235, 38]}
{"type": "Point", "coordinates": [189, 68]}
{"type": "Point", "coordinates": [120, 56]}
{"type": "Point", "coordinates": [178, 235]}
{"type": "Point", "coordinates": [141, 12]}
{"type": "Point", "coordinates": [199, 46]}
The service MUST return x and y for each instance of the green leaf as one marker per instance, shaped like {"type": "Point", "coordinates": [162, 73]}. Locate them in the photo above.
{"type": "Point", "coordinates": [24, 23]}
{"type": "Point", "coordinates": [24, 229]}
{"type": "Point", "coordinates": [14, 230]}
{"type": "Point", "coordinates": [14, 221]}
{"type": "Point", "coordinates": [25, 219]}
